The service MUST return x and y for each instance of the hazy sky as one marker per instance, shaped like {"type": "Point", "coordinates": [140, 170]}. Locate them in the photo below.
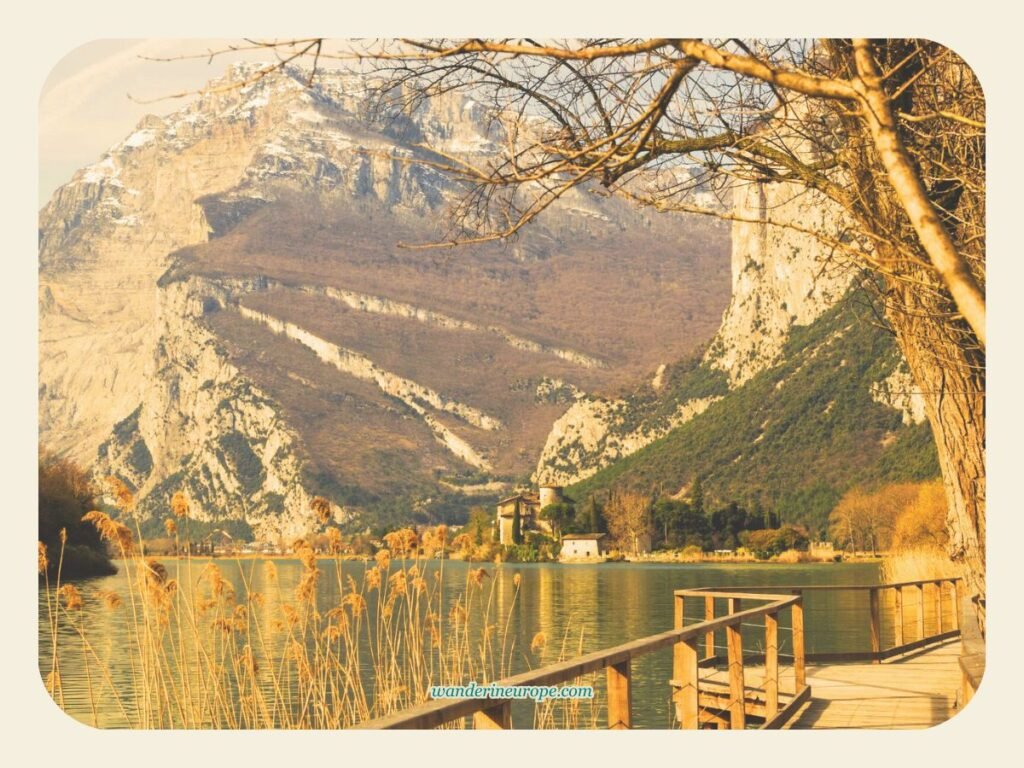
{"type": "Point", "coordinates": [85, 107]}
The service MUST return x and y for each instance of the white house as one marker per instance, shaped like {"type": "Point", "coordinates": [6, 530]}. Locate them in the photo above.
{"type": "Point", "coordinates": [579, 546]}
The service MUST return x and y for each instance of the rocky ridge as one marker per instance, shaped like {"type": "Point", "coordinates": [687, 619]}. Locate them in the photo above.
{"type": "Point", "coordinates": [782, 278]}
{"type": "Point", "coordinates": [135, 376]}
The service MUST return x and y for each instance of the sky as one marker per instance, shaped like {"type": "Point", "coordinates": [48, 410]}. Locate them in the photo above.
{"type": "Point", "coordinates": [91, 99]}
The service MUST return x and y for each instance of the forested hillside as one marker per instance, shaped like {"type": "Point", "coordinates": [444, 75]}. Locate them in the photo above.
{"type": "Point", "coordinates": [795, 436]}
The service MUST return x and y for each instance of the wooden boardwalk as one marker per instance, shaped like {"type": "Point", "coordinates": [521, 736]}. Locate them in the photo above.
{"type": "Point", "coordinates": [913, 682]}
{"type": "Point", "coordinates": [916, 691]}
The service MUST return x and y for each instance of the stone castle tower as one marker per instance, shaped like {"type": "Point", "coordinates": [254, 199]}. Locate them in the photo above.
{"type": "Point", "coordinates": [550, 494]}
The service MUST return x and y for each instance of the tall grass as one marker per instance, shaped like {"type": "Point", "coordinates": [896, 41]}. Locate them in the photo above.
{"type": "Point", "coordinates": [918, 564]}
{"type": "Point", "coordinates": [203, 654]}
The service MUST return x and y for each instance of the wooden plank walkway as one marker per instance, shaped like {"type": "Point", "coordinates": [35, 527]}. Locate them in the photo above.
{"type": "Point", "coordinates": [916, 691]}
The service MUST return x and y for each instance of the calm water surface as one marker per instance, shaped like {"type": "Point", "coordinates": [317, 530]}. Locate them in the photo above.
{"type": "Point", "coordinates": [609, 604]}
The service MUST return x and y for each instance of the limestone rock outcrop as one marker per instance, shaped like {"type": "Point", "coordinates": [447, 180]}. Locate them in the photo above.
{"type": "Point", "coordinates": [781, 276]}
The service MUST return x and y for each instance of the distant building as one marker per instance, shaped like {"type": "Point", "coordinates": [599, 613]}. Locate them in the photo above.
{"type": "Point", "coordinates": [821, 550]}
{"type": "Point", "coordinates": [529, 504]}
{"type": "Point", "coordinates": [582, 545]}
{"type": "Point", "coordinates": [550, 494]}
{"type": "Point", "coordinates": [221, 542]}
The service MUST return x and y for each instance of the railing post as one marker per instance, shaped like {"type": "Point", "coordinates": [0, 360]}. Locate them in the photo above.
{"type": "Point", "coordinates": [737, 692]}
{"type": "Point", "coordinates": [876, 626]}
{"type": "Point", "coordinates": [709, 614]}
{"type": "Point", "coordinates": [497, 716]}
{"type": "Point", "coordinates": [620, 696]}
{"type": "Point", "coordinates": [954, 613]}
{"type": "Point", "coordinates": [898, 641]}
{"type": "Point", "coordinates": [771, 664]}
{"type": "Point", "coordinates": [687, 710]}
{"type": "Point", "coordinates": [920, 611]}
{"type": "Point", "coordinates": [686, 672]}
{"type": "Point", "coordinates": [938, 607]}
{"type": "Point", "coordinates": [799, 666]}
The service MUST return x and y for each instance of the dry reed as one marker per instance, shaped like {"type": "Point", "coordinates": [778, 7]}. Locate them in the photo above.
{"type": "Point", "coordinates": [918, 564]}
{"type": "Point", "coordinates": [205, 654]}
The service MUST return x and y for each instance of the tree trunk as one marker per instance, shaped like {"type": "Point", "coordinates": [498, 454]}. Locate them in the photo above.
{"type": "Point", "coordinates": [942, 169]}
{"type": "Point", "coordinates": [954, 392]}
{"type": "Point", "coordinates": [909, 189]}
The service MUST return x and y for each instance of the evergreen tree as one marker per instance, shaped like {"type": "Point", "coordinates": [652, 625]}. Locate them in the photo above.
{"type": "Point", "coordinates": [517, 527]}
{"type": "Point", "coordinates": [756, 520]}
{"type": "Point", "coordinates": [480, 524]}
{"type": "Point", "coordinates": [697, 496]}
{"type": "Point", "coordinates": [562, 517]}
{"type": "Point", "coordinates": [592, 516]}
{"type": "Point", "coordinates": [668, 515]}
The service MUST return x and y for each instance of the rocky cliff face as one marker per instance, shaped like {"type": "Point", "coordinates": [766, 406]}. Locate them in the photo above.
{"type": "Point", "coordinates": [898, 391]}
{"type": "Point", "coordinates": [214, 435]}
{"type": "Point", "coordinates": [596, 432]}
{"type": "Point", "coordinates": [118, 353]}
{"type": "Point", "coordinates": [782, 278]}
{"type": "Point", "coordinates": [108, 235]}
{"type": "Point", "coordinates": [104, 240]}
{"type": "Point", "coordinates": [224, 311]}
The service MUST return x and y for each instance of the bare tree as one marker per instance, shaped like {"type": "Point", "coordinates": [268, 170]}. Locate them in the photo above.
{"type": "Point", "coordinates": [628, 514]}
{"type": "Point", "coordinates": [865, 521]}
{"type": "Point", "coordinates": [890, 132]}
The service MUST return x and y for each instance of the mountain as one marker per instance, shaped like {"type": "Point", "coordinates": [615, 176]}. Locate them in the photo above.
{"type": "Point", "coordinates": [226, 309]}
{"type": "Point", "coordinates": [801, 393]}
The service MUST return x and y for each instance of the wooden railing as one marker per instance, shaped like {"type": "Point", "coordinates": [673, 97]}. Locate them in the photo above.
{"type": "Point", "coordinates": [707, 701]}
{"type": "Point", "coordinates": [972, 652]}
{"type": "Point", "coordinates": [944, 625]}
{"type": "Point", "coordinates": [701, 702]}
{"type": "Point", "coordinates": [617, 663]}
{"type": "Point", "coordinates": [923, 635]}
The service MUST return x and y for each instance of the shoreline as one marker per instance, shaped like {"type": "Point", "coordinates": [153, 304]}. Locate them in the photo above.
{"type": "Point", "coordinates": [654, 558]}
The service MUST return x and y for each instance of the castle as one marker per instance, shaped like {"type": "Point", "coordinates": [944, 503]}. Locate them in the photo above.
{"type": "Point", "coordinates": [529, 505]}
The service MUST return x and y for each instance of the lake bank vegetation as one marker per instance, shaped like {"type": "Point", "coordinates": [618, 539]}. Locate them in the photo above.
{"type": "Point", "coordinates": [208, 652]}
{"type": "Point", "coordinates": [65, 494]}
{"type": "Point", "coordinates": [906, 520]}
{"type": "Point", "coordinates": [204, 650]}
{"type": "Point", "coordinates": [887, 521]}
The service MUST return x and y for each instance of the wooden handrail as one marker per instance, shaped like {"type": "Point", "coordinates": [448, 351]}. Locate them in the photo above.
{"type": "Point", "coordinates": [758, 590]}
{"type": "Point", "coordinates": [432, 714]}
{"type": "Point", "coordinates": [900, 617]}
{"type": "Point", "coordinates": [972, 652]}
{"type": "Point", "coordinates": [799, 652]}
{"type": "Point", "coordinates": [687, 662]}
{"type": "Point", "coordinates": [877, 654]}
{"type": "Point", "coordinates": [771, 664]}
{"type": "Point", "coordinates": [704, 701]}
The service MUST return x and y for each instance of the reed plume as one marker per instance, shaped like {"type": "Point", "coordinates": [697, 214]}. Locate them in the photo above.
{"type": "Point", "coordinates": [250, 649]}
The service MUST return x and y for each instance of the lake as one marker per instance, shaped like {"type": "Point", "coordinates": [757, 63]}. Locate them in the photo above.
{"type": "Point", "coordinates": [588, 606]}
